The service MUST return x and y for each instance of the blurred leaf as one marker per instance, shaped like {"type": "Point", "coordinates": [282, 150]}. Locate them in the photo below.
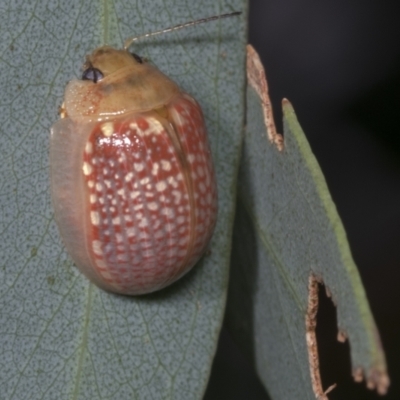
{"type": "Point", "coordinates": [287, 231]}
{"type": "Point", "coordinates": [61, 337]}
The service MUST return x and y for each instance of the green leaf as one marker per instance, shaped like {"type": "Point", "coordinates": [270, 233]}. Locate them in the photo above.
{"type": "Point", "coordinates": [288, 236]}
{"type": "Point", "coordinates": [60, 336]}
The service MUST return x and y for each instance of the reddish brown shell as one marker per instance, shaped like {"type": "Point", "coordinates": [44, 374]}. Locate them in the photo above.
{"type": "Point", "coordinates": [133, 183]}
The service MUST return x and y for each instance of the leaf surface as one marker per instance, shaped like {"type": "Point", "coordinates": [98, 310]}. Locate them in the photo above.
{"type": "Point", "coordinates": [60, 336]}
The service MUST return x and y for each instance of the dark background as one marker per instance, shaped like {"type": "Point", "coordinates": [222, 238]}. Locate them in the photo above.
{"type": "Point", "coordinates": [338, 62]}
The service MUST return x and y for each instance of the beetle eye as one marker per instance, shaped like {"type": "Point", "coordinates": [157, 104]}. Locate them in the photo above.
{"type": "Point", "coordinates": [137, 58]}
{"type": "Point", "coordinates": [92, 74]}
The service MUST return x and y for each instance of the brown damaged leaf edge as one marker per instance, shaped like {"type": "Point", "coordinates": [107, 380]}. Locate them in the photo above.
{"type": "Point", "coordinates": [311, 338]}
{"type": "Point", "coordinates": [257, 79]}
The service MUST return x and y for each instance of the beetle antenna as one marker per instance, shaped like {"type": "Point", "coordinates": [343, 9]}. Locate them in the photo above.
{"type": "Point", "coordinates": [129, 41]}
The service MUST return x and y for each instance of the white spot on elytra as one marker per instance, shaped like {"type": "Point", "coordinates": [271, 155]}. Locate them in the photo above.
{"type": "Point", "coordinates": [154, 169]}
{"type": "Point", "coordinates": [138, 166]}
{"type": "Point", "coordinates": [140, 132]}
{"type": "Point", "coordinates": [89, 148]}
{"type": "Point", "coordinates": [163, 199]}
{"type": "Point", "coordinates": [170, 227]}
{"type": "Point", "coordinates": [93, 198]}
{"type": "Point", "coordinates": [130, 232]}
{"type": "Point", "coordinates": [133, 126]}
{"type": "Point", "coordinates": [149, 194]}
{"type": "Point", "coordinates": [121, 192]}
{"type": "Point", "coordinates": [99, 187]}
{"type": "Point", "coordinates": [134, 195]}
{"type": "Point", "coordinates": [152, 206]}
{"type": "Point", "coordinates": [180, 220]}
{"type": "Point", "coordinates": [96, 246]}
{"type": "Point", "coordinates": [155, 127]}
{"type": "Point", "coordinates": [161, 186]}
{"type": "Point", "coordinates": [191, 157]}
{"type": "Point", "coordinates": [143, 223]}
{"type": "Point", "coordinates": [87, 168]}
{"type": "Point", "coordinates": [122, 257]}
{"type": "Point", "coordinates": [178, 118]}
{"type": "Point", "coordinates": [138, 207]}
{"type": "Point", "coordinates": [144, 235]}
{"type": "Point", "coordinates": [119, 237]}
{"type": "Point", "coordinates": [145, 181]}
{"type": "Point", "coordinates": [168, 212]}
{"type": "Point", "coordinates": [156, 224]}
{"type": "Point", "coordinates": [108, 183]}
{"type": "Point", "coordinates": [172, 181]}
{"type": "Point", "coordinates": [107, 128]}
{"type": "Point", "coordinates": [94, 218]}
{"type": "Point", "coordinates": [178, 196]}
{"type": "Point", "coordinates": [202, 187]}
{"type": "Point", "coordinates": [91, 184]}
{"type": "Point", "coordinates": [116, 221]}
{"type": "Point", "coordinates": [128, 176]}
{"type": "Point", "coordinates": [165, 165]}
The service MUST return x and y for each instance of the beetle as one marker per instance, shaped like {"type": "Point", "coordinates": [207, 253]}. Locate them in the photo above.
{"type": "Point", "coordinates": [132, 179]}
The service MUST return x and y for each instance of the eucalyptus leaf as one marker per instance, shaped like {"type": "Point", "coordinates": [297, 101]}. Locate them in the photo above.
{"type": "Point", "coordinates": [60, 336]}
{"type": "Point", "coordinates": [287, 237]}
